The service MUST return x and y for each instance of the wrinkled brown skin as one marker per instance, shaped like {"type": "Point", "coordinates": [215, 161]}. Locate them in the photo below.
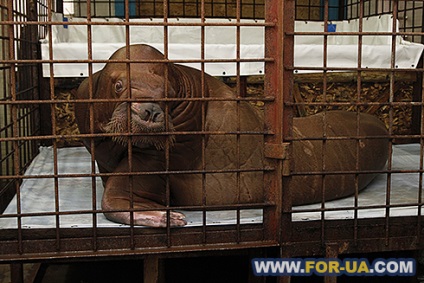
{"type": "Point", "coordinates": [147, 80]}
{"type": "Point", "coordinates": [340, 155]}
{"type": "Point", "coordinates": [149, 191]}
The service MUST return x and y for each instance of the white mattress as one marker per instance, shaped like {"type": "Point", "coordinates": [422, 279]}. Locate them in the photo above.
{"type": "Point", "coordinates": [75, 194]}
{"type": "Point", "coordinates": [184, 43]}
{"type": "Point", "coordinates": [404, 190]}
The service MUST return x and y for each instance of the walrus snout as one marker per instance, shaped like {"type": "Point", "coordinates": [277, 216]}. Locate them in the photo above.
{"type": "Point", "coordinates": [146, 118]}
{"type": "Point", "coordinates": [148, 112]}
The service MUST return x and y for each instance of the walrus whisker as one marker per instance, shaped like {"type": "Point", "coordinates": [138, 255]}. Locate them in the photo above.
{"type": "Point", "coordinates": [118, 124]}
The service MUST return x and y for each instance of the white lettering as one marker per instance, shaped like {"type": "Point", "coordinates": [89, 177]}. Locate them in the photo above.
{"type": "Point", "coordinates": [380, 266]}
{"type": "Point", "coordinates": [406, 267]}
{"type": "Point", "coordinates": [392, 267]}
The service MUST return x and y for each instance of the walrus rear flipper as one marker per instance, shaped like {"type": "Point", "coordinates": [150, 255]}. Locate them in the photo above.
{"type": "Point", "coordinates": [342, 152]}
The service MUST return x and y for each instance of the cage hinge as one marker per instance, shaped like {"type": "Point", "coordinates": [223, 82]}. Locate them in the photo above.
{"type": "Point", "coordinates": [276, 150]}
{"type": "Point", "coordinates": [279, 151]}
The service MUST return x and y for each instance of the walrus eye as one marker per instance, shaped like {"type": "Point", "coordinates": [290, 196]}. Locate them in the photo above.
{"type": "Point", "coordinates": [118, 86]}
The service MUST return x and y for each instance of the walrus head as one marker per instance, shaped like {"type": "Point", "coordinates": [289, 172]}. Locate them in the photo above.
{"type": "Point", "coordinates": [146, 118]}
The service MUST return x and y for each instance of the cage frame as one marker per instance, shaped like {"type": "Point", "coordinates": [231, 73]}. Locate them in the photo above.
{"type": "Point", "coordinates": [330, 238]}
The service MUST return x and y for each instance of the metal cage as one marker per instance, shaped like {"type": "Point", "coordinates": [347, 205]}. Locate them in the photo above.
{"type": "Point", "coordinates": [282, 77]}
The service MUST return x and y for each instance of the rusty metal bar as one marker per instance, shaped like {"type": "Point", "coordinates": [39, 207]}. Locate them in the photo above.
{"type": "Point", "coordinates": [166, 9]}
{"type": "Point", "coordinates": [352, 69]}
{"type": "Point", "coordinates": [220, 24]}
{"type": "Point", "coordinates": [359, 208]}
{"type": "Point", "coordinates": [358, 99]}
{"type": "Point", "coordinates": [287, 115]}
{"type": "Point", "coordinates": [206, 99]}
{"type": "Point", "coordinates": [273, 85]}
{"type": "Point", "coordinates": [265, 99]}
{"type": "Point", "coordinates": [17, 272]}
{"type": "Point", "coordinates": [353, 33]}
{"type": "Point", "coordinates": [187, 208]}
{"type": "Point", "coordinates": [218, 207]}
{"type": "Point", "coordinates": [20, 177]}
{"type": "Point", "coordinates": [50, 61]}
{"type": "Point", "coordinates": [153, 269]}
{"type": "Point", "coordinates": [130, 144]}
{"type": "Point", "coordinates": [197, 132]}
{"type": "Point", "coordinates": [324, 125]}
{"type": "Point", "coordinates": [94, 241]}
{"type": "Point", "coordinates": [203, 85]}
{"type": "Point", "coordinates": [420, 186]}
{"type": "Point", "coordinates": [391, 100]}
{"type": "Point", "coordinates": [331, 252]}
{"type": "Point", "coordinates": [238, 94]}
{"type": "Point", "coordinates": [15, 130]}
{"type": "Point", "coordinates": [53, 131]}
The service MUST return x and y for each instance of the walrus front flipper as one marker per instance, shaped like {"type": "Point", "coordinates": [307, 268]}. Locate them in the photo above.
{"type": "Point", "coordinates": [154, 218]}
{"type": "Point", "coordinates": [141, 191]}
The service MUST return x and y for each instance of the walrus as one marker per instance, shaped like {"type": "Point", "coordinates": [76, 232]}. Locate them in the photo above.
{"type": "Point", "coordinates": [316, 163]}
{"type": "Point", "coordinates": [192, 142]}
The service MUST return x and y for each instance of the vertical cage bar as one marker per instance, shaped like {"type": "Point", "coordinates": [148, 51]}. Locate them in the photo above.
{"type": "Point", "coordinates": [203, 86]}
{"type": "Point", "coordinates": [14, 121]}
{"type": "Point", "coordinates": [238, 86]}
{"type": "Point", "coordinates": [276, 118]}
{"type": "Point", "coordinates": [420, 118]}
{"type": "Point", "coordinates": [54, 130]}
{"type": "Point", "coordinates": [128, 60]}
{"type": "Point", "coordinates": [286, 84]}
{"type": "Point", "coordinates": [358, 100]}
{"type": "Point", "coordinates": [421, 167]}
{"type": "Point", "coordinates": [94, 241]}
{"type": "Point", "coordinates": [391, 103]}
{"type": "Point", "coordinates": [324, 125]}
{"type": "Point", "coordinates": [166, 12]}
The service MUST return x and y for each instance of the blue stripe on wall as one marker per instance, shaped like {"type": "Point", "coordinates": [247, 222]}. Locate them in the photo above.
{"type": "Point", "coordinates": [333, 10]}
{"type": "Point", "coordinates": [120, 8]}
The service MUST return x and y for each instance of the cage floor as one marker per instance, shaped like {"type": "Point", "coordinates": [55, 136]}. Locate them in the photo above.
{"type": "Point", "coordinates": [396, 189]}
{"type": "Point", "coordinates": [76, 194]}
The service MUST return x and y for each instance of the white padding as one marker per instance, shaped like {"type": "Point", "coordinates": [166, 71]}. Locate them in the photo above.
{"type": "Point", "coordinates": [184, 43]}
{"type": "Point", "coordinates": [404, 190]}
{"type": "Point", "coordinates": [76, 195]}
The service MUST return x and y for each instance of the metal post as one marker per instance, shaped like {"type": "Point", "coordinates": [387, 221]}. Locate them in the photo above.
{"type": "Point", "coordinates": [153, 269]}
{"type": "Point", "coordinates": [331, 251]}
{"type": "Point", "coordinates": [17, 272]}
